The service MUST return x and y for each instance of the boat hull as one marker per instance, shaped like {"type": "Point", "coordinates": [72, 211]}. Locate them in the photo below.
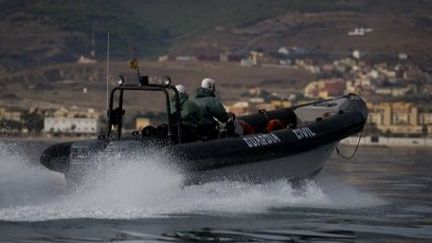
{"type": "Point", "coordinates": [294, 167]}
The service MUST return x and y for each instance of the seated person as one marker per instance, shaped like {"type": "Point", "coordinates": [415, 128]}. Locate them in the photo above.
{"type": "Point", "coordinates": [210, 108]}
{"type": "Point", "coordinates": [190, 115]}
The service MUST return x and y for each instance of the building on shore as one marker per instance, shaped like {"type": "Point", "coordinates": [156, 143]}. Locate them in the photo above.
{"type": "Point", "coordinates": [396, 91]}
{"type": "Point", "coordinates": [326, 88]}
{"type": "Point", "coordinates": [239, 108]}
{"type": "Point", "coordinates": [186, 58]}
{"type": "Point", "coordinates": [74, 122]}
{"type": "Point", "coordinates": [86, 60]}
{"type": "Point", "coordinates": [73, 112]}
{"type": "Point", "coordinates": [141, 122]}
{"type": "Point", "coordinates": [10, 114]}
{"type": "Point", "coordinates": [401, 118]}
{"type": "Point", "coordinates": [71, 126]}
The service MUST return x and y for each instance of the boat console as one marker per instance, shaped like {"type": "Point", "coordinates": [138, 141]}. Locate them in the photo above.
{"type": "Point", "coordinates": [171, 130]}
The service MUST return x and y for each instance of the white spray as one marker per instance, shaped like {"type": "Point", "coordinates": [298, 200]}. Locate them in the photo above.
{"type": "Point", "coordinates": [145, 186]}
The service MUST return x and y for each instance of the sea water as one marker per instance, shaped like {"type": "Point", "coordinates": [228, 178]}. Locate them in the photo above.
{"type": "Point", "coordinates": [382, 194]}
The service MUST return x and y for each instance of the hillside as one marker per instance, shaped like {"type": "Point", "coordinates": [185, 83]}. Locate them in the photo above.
{"type": "Point", "coordinates": [41, 40]}
{"type": "Point", "coordinates": [395, 27]}
{"type": "Point", "coordinates": [39, 32]}
{"type": "Point", "coordinates": [63, 84]}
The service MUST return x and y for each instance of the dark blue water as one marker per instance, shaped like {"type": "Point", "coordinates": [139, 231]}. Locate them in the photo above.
{"type": "Point", "coordinates": [382, 195]}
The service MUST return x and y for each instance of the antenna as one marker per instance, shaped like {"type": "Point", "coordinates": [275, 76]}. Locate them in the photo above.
{"type": "Point", "coordinates": [107, 68]}
{"type": "Point", "coordinates": [93, 51]}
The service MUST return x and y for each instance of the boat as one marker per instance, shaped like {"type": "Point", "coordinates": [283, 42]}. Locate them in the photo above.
{"type": "Point", "coordinates": [291, 143]}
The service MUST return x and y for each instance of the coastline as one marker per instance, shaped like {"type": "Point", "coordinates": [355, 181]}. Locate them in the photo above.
{"type": "Point", "coordinates": [44, 139]}
{"type": "Point", "coordinates": [369, 141]}
{"type": "Point", "coordinates": [388, 141]}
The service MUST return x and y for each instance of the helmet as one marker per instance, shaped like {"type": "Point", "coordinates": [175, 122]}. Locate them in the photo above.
{"type": "Point", "coordinates": [208, 83]}
{"type": "Point", "coordinates": [181, 89]}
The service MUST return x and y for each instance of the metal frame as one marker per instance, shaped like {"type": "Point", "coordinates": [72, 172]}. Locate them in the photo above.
{"type": "Point", "coordinates": [148, 87]}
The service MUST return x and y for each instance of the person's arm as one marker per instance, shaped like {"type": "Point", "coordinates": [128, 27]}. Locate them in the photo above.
{"type": "Point", "coordinates": [219, 111]}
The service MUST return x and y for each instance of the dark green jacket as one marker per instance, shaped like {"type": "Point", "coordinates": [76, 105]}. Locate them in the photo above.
{"type": "Point", "coordinates": [209, 106]}
{"type": "Point", "coordinates": [190, 113]}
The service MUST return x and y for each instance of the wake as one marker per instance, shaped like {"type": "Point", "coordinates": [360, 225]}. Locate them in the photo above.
{"type": "Point", "coordinates": [126, 187]}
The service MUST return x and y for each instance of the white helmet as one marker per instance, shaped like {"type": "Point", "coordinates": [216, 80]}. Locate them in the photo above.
{"type": "Point", "coordinates": [181, 89]}
{"type": "Point", "coordinates": [208, 83]}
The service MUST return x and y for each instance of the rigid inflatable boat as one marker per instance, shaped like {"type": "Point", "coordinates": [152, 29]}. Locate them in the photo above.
{"type": "Point", "coordinates": [291, 143]}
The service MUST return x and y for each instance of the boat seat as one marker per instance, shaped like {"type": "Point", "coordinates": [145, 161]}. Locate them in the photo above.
{"type": "Point", "coordinates": [242, 128]}
{"type": "Point", "coordinates": [275, 124]}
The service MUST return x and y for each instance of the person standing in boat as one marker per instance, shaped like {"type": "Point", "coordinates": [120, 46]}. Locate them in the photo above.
{"type": "Point", "coordinates": [190, 115]}
{"type": "Point", "coordinates": [210, 108]}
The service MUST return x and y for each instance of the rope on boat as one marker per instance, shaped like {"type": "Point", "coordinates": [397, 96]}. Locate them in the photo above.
{"type": "Point", "coordinates": [355, 150]}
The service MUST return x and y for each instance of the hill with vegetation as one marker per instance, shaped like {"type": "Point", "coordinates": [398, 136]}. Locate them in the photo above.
{"type": "Point", "coordinates": [39, 32]}
{"type": "Point", "coordinates": [48, 31]}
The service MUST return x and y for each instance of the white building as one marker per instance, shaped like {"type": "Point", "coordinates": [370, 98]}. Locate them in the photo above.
{"type": "Point", "coordinates": [359, 31]}
{"type": "Point", "coordinates": [69, 125]}
{"type": "Point", "coordinates": [163, 58]}
{"type": "Point", "coordinates": [402, 56]}
{"type": "Point", "coordinates": [85, 60]}
{"type": "Point", "coordinates": [186, 58]}
{"type": "Point", "coordinates": [393, 91]}
{"type": "Point", "coordinates": [283, 51]}
{"type": "Point", "coordinates": [357, 54]}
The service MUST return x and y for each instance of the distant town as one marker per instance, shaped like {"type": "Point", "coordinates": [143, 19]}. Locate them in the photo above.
{"type": "Point", "coordinates": [397, 92]}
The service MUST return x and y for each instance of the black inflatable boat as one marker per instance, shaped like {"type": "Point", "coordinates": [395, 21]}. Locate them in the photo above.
{"type": "Point", "coordinates": [296, 149]}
